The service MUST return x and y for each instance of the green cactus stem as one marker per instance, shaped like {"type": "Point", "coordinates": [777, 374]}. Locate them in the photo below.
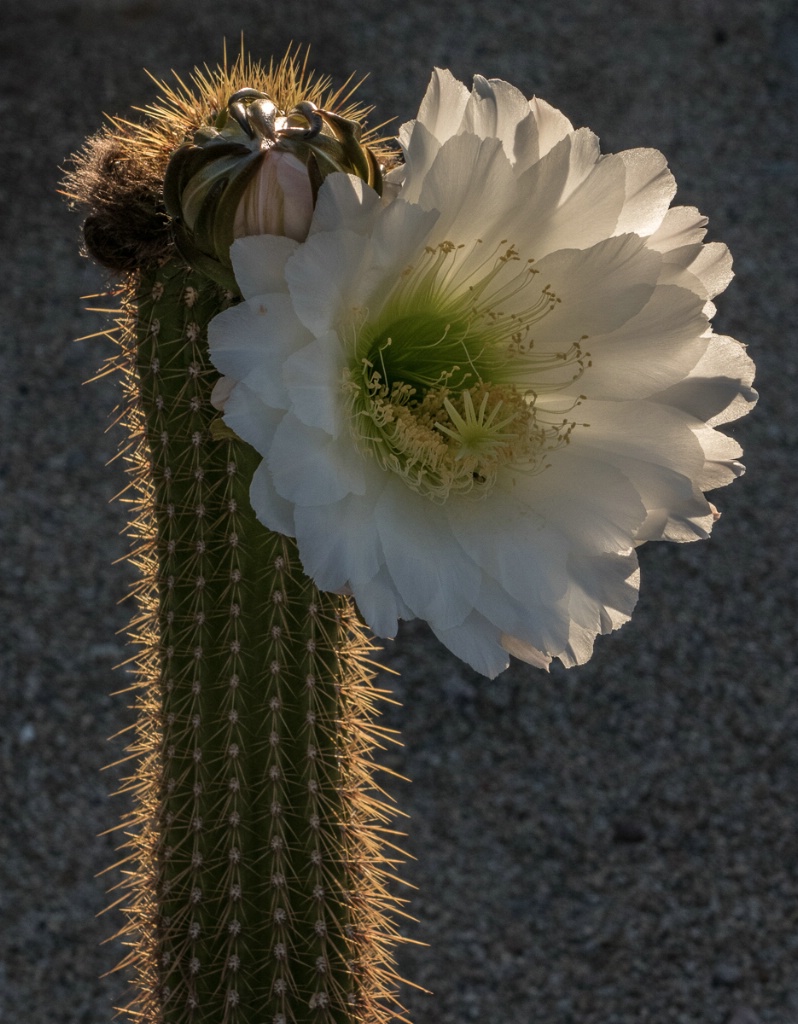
{"type": "Point", "coordinates": [258, 854]}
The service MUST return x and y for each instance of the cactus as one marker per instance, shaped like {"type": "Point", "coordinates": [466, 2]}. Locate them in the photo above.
{"type": "Point", "coordinates": [258, 853]}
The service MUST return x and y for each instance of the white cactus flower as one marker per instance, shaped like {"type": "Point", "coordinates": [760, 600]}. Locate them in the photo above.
{"type": "Point", "coordinates": [476, 399]}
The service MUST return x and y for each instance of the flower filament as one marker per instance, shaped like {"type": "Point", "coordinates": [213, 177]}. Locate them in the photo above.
{"type": "Point", "coordinates": [443, 386]}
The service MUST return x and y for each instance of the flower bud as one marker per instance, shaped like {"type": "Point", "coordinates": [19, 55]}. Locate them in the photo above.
{"type": "Point", "coordinates": [257, 171]}
{"type": "Point", "coordinates": [278, 200]}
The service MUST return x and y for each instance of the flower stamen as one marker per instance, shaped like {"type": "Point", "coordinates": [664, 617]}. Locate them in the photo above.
{"type": "Point", "coordinates": [444, 386]}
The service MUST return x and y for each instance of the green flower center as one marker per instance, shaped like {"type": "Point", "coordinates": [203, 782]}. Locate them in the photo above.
{"type": "Point", "coordinates": [443, 387]}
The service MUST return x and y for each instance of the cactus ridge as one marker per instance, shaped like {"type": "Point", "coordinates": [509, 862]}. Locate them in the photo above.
{"type": "Point", "coordinates": [258, 856]}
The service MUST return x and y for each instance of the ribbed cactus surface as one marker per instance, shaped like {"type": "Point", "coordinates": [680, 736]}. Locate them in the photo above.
{"type": "Point", "coordinates": [255, 876]}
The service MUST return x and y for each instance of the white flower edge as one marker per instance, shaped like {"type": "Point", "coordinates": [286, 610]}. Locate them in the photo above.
{"type": "Point", "coordinates": [546, 561]}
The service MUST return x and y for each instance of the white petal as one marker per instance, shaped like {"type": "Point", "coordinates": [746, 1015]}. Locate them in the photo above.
{"type": "Point", "coordinates": [553, 125]}
{"type": "Point", "coordinates": [526, 558]}
{"type": "Point", "coordinates": [572, 184]}
{"type": "Point", "coordinates": [581, 639]}
{"type": "Point", "coordinates": [249, 342]}
{"type": "Point", "coordinates": [718, 389]}
{"type": "Point", "coordinates": [399, 236]}
{"type": "Point", "coordinates": [601, 597]}
{"type": "Point", "coordinates": [640, 431]}
{"type": "Point", "coordinates": [563, 211]}
{"type": "Point", "coordinates": [590, 503]}
{"type": "Point", "coordinates": [588, 560]}
{"type": "Point", "coordinates": [221, 392]}
{"type": "Point", "coordinates": [472, 180]}
{"type": "Point", "coordinates": [537, 133]}
{"type": "Point", "coordinates": [713, 268]}
{"type": "Point", "coordinates": [345, 199]}
{"type": "Point", "coordinates": [584, 154]}
{"type": "Point", "coordinates": [258, 263]}
{"type": "Point", "coordinates": [494, 110]}
{"type": "Point", "coordinates": [722, 454]}
{"type": "Point", "coordinates": [380, 604]}
{"type": "Point", "coordinates": [312, 468]}
{"type": "Point", "coordinates": [525, 652]}
{"type": "Point", "coordinates": [421, 148]}
{"type": "Point", "coordinates": [439, 118]}
{"type": "Point", "coordinates": [441, 111]}
{"type": "Point", "coordinates": [274, 512]}
{"type": "Point", "coordinates": [313, 377]}
{"type": "Point", "coordinates": [653, 350]}
{"type": "Point", "coordinates": [339, 543]}
{"type": "Point", "coordinates": [658, 452]}
{"type": "Point", "coordinates": [564, 551]}
{"type": "Point", "coordinates": [571, 198]}
{"type": "Point", "coordinates": [526, 143]}
{"type": "Point", "coordinates": [599, 288]}
{"type": "Point", "coordinates": [234, 339]}
{"type": "Point", "coordinates": [650, 187]}
{"type": "Point", "coordinates": [253, 420]}
{"type": "Point", "coordinates": [681, 226]}
{"type": "Point", "coordinates": [433, 575]}
{"type": "Point", "coordinates": [478, 643]}
{"type": "Point", "coordinates": [323, 278]}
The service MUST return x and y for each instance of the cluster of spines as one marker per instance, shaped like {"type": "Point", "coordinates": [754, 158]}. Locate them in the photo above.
{"type": "Point", "coordinates": [256, 876]}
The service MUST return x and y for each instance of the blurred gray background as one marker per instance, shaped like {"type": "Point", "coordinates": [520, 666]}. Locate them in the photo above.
{"type": "Point", "coordinates": [613, 844]}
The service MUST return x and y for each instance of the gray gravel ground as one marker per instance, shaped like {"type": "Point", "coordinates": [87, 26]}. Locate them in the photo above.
{"type": "Point", "coordinates": [611, 845]}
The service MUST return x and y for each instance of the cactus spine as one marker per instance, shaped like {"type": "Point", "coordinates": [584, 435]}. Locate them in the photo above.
{"type": "Point", "coordinates": [255, 861]}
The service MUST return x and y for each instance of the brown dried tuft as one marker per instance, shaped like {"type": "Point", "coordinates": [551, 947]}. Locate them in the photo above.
{"type": "Point", "coordinates": [119, 190]}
